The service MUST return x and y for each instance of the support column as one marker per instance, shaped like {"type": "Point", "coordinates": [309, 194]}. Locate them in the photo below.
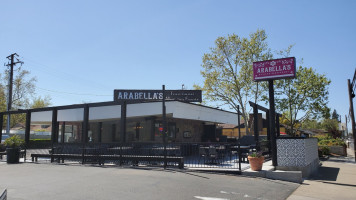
{"type": "Point", "coordinates": [85, 131]}
{"type": "Point", "coordinates": [272, 123]}
{"type": "Point", "coordinates": [277, 126]}
{"type": "Point", "coordinates": [1, 124]}
{"type": "Point", "coordinates": [268, 133]}
{"type": "Point", "coordinates": [255, 126]}
{"type": "Point", "coordinates": [54, 129]}
{"type": "Point", "coordinates": [123, 122]}
{"type": "Point", "coordinates": [54, 126]}
{"type": "Point", "coordinates": [164, 125]}
{"type": "Point", "coordinates": [85, 124]}
{"type": "Point", "coordinates": [100, 127]}
{"type": "Point", "coordinates": [28, 128]}
{"type": "Point", "coordinates": [239, 141]}
{"type": "Point", "coordinates": [122, 127]}
{"type": "Point", "coordinates": [63, 131]}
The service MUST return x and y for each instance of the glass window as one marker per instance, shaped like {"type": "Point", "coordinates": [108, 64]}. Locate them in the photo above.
{"type": "Point", "coordinates": [171, 131]}
{"type": "Point", "coordinates": [72, 132]}
{"type": "Point", "coordinates": [138, 129]}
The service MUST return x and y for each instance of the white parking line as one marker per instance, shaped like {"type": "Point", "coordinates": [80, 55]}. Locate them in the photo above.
{"type": "Point", "coordinates": [209, 198]}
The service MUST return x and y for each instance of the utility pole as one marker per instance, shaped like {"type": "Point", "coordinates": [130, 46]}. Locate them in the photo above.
{"type": "Point", "coordinates": [12, 64]}
{"type": "Point", "coordinates": [351, 89]}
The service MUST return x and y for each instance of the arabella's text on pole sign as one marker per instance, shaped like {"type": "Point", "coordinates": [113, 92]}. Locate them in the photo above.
{"type": "Point", "coordinates": [274, 69]}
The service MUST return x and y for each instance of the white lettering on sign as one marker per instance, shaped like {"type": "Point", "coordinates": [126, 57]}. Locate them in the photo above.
{"type": "Point", "coordinates": [157, 95]}
{"type": "Point", "coordinates": [140, 95]}
{"type": "Point", "coordinates": [274, 69]}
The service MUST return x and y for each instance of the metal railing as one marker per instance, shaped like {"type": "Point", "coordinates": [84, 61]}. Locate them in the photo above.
{"type": "Point", "coordinates": [195, 155]}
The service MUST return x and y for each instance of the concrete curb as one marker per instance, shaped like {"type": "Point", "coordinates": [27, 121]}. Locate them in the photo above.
{"type": "Point", "coordinates": [269, 172]}
{"type": "Point", "coordinates": [291, 176]}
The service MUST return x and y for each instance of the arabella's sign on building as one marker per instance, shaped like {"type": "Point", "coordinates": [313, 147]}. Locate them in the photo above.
{"type": "Point", "coordinates": [157, 95]}
{"type": "Point", "coordinates": [274, 69]}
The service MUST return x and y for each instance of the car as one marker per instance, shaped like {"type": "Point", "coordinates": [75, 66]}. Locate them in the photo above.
{"type": "Point", "coordinates": [4, 137]}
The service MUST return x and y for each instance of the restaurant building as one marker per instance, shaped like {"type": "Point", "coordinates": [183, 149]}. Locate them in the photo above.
{"type": "Point", "coordinates": [115, 121]}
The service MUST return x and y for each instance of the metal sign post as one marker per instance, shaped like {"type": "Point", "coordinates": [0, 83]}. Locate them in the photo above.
{"type": "Point", "coordinates": [272, 117]}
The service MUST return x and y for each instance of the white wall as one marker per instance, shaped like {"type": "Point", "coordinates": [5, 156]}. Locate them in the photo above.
{"type": "Point", "coordinates": [45, 116]}
{"type": "Point", "coordinates": [196, 112]}
{"type": "Point", "coordinates": [105, 112]}
{"type": "Point", "coordinates": [297, 152]}
{"type": "Point", "coordinates": [177, 109]}
{"type": "Point", "coordinates": [71, 115]}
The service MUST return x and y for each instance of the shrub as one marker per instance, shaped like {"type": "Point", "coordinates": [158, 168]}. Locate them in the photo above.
{"type": "Point", "coordinates": [14, 141]}
{"type": "Point", "coordinates": [254, 153]}
{"type": "Point", "coordinates": [323, 150]}
{"type": "Point", "coordinates": [329, 141]}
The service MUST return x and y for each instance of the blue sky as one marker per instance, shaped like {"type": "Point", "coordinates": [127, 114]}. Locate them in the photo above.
{"type": "Point", "coordinates": [80, 51]}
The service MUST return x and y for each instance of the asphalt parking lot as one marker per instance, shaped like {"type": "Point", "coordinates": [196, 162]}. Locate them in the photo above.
{"type": "Point", "coordinates": [58, 181]}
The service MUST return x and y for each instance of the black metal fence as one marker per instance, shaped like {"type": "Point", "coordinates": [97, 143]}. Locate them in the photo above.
{"type": "Point", "coordinates": [192, 155]}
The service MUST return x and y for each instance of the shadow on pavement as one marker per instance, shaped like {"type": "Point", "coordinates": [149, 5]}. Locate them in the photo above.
{"type": "Point", "coordinates": [338, 160]}
{"type": "Point", "coordinates": [326, 174]}
{"type": "Point", "coordinates": [341, 184]}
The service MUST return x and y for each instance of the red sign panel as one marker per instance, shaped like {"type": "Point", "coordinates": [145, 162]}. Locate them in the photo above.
{"type": "Point", "coordinates": [274, 69]}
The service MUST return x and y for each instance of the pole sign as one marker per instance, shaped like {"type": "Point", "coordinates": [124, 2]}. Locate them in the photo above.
{"type": "Point", "coordinates": [157, 95]}
{"type": "Point", "coordinates": [274, 69]}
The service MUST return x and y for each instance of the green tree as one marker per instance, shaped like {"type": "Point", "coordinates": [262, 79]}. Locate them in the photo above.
{"type": "Point", "coordinates": [227, 71]}
{"type": "Point", "coordinates": [40, 102]}
{"type": "Point", "coordinates": [332, 127]}
{"type": "Point", "coordinates": [2, 99]}
{"type": "Point", "coordinates": [311, 124]}
{"type": "Point", "coordinates": [335, 116]}
{"type": "Point", "coordinates": [305, 96]}
{"type": "Point", "coordinates": [23, 93]}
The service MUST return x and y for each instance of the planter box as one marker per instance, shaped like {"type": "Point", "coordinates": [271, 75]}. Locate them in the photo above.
{"type": "Point", "coordinates": [12, 155]}
{"type": "Point", "coordinates": [338, 150]}
{"type": "Point", "coordinates": [298, 154]}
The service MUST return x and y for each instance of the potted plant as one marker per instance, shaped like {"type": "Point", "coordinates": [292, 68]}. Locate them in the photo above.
{"type": "Point", "coordinates": [13, 145]}
{"type": "Point", "coordinates": [256, 160]}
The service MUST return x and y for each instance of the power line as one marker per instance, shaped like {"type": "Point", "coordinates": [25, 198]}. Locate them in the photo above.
{"type": "Point", "coordinates": [79, 94]}
{"type": "Point", "coordinates": [66, 76]}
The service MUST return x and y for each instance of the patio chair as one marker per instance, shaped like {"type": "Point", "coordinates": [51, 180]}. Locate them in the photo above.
{"type": "Point", "coordinates": [202, 153]}
{"type": "Point", "coordinates": [221, 151]}
{"type": "Point", "coordinates": [213, 155]}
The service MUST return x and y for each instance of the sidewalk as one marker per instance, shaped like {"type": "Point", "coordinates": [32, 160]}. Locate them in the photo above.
{"type": "Point", "coordinates": [336, 179]}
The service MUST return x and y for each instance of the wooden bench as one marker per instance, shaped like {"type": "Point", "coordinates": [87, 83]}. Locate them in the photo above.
{"type": "Point", "coordinates": [102, 158]}
{"type": "Point", "coordinates": [22, 154]}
